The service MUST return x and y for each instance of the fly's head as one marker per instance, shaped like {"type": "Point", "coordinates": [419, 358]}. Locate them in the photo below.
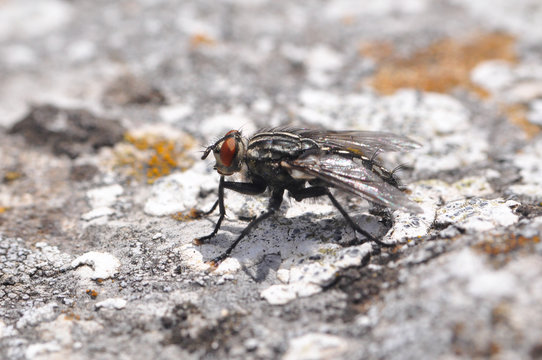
{"type": "Point", "coordinates": [229, 152]}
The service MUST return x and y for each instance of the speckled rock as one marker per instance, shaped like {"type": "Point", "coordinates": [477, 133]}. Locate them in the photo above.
{"type": "Point", "coordinates": [106, 109]}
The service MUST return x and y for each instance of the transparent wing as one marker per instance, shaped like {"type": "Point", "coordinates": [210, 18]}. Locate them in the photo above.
{"type": "Point", "coordinates": [350, 176]}
{"type": "Point", "coordinates": [365, 142]}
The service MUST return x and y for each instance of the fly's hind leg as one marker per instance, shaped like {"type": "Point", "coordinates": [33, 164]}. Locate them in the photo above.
{"type": "Point", "coordinates": [316, 191]}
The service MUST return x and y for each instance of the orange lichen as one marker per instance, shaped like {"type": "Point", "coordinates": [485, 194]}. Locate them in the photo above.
{"type": "Point", "coordinates": [500, 313]}
{"type": "Point", "coordinates": [92, 293]}
{"type": "Point", "coordinates": [201, 39]}
{"type": "Point", "coordinates": [378, 51]}
{"type": "Point", "coordinates": [493, 349]}
{"type": "Point", "coordinates": [3, 209]}
{"type": "Point", "coordinates": [11, 176]}
{"type": "Point", "coordinates": [444, 66]}
{"type": "Point", "coordinates": [72, 316]}
{"type": "Point", "coordinates": [440, 67]}
{"type": "Point", "coordinates": [348, 20]}
{"type": "Point", "coordinates": [163, 160]}
{"type": "Point", "coordinates": [191, 215]}
{"type": "Point", "coordinates": [504, 245]}
{"type": "Point", "coordinates": [153, 155]}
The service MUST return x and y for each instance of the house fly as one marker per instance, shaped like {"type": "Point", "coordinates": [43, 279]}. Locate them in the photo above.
{"type": "Point", "coordinates": [307, 163]}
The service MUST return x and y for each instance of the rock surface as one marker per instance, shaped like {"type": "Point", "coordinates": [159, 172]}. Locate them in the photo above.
{"type": "Point", "coordinates": [106, 106]}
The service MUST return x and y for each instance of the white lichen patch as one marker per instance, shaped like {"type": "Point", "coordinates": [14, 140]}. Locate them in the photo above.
{"type": "Point", "coordinates": [28, 19]}
{"type": "Point", "coordinates": [494, 76]}
{"type": "Point", "coordinates": [530, 164]}
{"type": "Point", "coordinates": [95, 265]}
{"type": "Point", "coordinates": [228, 266]}
{"type": "Point", "coordinates": [316, 346]}
{"type": "Point", "coordinates": [104, 196]}
{"type": "Point", "coordinates": [282, 294]}
{"type": "Point", "coordinates": [410, 226]}
{"type": "Point", "coordinates": [283, 275]}
{"type": "Point", "coordinates": [535, 111]}
{"type": "Point", "coordinates": [42, 350]}
{"type": "Point", "coordinates": [192, 24]}
{"type": "Point", "coordinates": [178, 192]}
{"type": "Point", "coordinates": [102, 200]}
{"type": "Point", "coordinates": [431, 113]}
{"type": "Point", "coordinates": [97, 213]}
{"type": "Point", "coordinates": [6, 331]}
{"type": "Point", "coordinates": [175, 113]}
{"type": "Point", "coordinates": [521, 18]}
{"type": "Point", "coordinates": [34, 316]}
{"type": "Point", "coordinates": [482, 280]}
{"type": "Point", "coordinates": [317, 207]}
{"type": "Point", "coordinates": [308, 278]}
{"type": "Point", "coordinates": [437, 191]}
{"type": "Point", "coordinates": [509, 83]}
{"type": "Point", "coordinates": [59, 330]}
{"type": "Point", "coordinates": [52, 254]}
{"type": "Point", "coordinates": [531, 191]}
{"type": "Point", "coordinates": [429, 194]}
{"type": "Point", "coordinates": [349, 9]}
{"type": "Point", "coordinates": [477, 214]}
{"type": "Point", "coordinates": [322, 63]}
{"type": "Point", "coordinates": [112, 303]}
{"type": "Point", "coordinates": [447, 152]}
{"type": "Point", "coordinates": [192, 258]}
{"type": "Point", "coordinates": [473, 186]}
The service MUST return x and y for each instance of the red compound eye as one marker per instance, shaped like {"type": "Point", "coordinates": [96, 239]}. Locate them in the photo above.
{"type": "Point", "coordinates": [227, 151]}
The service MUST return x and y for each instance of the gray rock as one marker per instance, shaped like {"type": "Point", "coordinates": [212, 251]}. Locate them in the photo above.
{"type": "Point", "coordinates": [97, 258]}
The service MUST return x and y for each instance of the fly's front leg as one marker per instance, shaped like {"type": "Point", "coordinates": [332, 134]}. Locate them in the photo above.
{"type": "Point", "coordinates": [220, 203]}
{"type": "Point", "coordinates": [243, 188]}
{"type": "Point", "coordinates": [274, 205]}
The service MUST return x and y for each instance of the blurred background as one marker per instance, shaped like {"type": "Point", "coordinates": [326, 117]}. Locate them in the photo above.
{"type": "Point", "coordinates": [182, 62]}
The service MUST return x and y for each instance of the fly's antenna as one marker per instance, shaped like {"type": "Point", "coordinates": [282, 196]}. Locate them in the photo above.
{"type": "Point", "coordinates": [206, 152]}
{"type": "Point", "coordinates": [240, 129]}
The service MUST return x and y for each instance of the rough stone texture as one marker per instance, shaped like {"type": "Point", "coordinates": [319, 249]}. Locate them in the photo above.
{"type": "Point", "coordinates": [97, 216]}
{"type": "Point", "coordinates": [69, 132]}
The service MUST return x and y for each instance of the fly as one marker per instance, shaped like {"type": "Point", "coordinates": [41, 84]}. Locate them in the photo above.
{"type": "Point", "coordinates": [307, 163]}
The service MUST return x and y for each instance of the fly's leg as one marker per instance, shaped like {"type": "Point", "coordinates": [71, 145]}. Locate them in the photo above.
{"type": "Point", "coordinates": [198, 214]}
{"type": "Point", "coordinates": [220, 203]}
{"type": "Point", "coordinates": [274, 205]}
{"type": "Point", "coordinates": [316, 191]}
{"type": "Point", "coordinates": [205, 213]}
{"type": "Point", "coordinates": [355, 226]}
{"type": "Point", "coordinates": [243, 188]}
